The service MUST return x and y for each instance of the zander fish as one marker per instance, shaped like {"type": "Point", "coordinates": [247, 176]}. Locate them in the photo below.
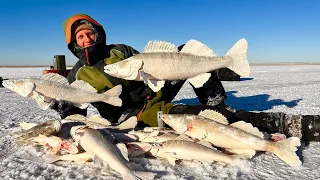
{"type": "Point", "coordinates": [93, 142]}
{"type": "Point", "coordinates": [239, 135]}
{"type": "Point", "coordinates": [161, 61]}
{"type": "Point", "coordinates": [54, 86]}
{"type": "Point", "coordinates": [173, 150]}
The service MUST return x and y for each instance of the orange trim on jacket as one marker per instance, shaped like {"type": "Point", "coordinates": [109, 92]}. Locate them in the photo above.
{"type": "Point", "coordinates": [74, 19]}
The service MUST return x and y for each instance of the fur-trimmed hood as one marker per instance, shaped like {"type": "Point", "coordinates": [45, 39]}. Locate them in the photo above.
{"type": "Point", "coordinates": [91, 54]}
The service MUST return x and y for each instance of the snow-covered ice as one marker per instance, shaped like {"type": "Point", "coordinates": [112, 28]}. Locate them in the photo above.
{"type": "Point", "coordinates": [290, 89]}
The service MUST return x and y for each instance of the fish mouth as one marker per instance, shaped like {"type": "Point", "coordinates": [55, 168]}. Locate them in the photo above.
{"type": "Point", "coordinates": [7, 84]}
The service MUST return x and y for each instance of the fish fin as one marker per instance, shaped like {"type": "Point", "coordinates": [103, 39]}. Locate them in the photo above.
{"type": "Point", "coordinates": [144, 76]}
{"type": "Point", "coordinates": [41, 139]}
{"type": "Point", "coordinates": [206, 144]}
{"type": "Point", "coordinates": [138, 133]}
{"type": "Point", "coordinates": [112, 96]}
{"type": "Point", "coordinates": [141, 175]}
{"type": "Point", "coordinates": [80, 84]}
{"type": "Point", "coordinates": [43, 101]}
{"type": "Point", "coordinates": [76, 118]}
{"type": "Point", "coordinates": [51, 158]}
{"type": "Point", "coordinates": [122, 150]}
{"type": "Point", "coordinates": [155, 85]}
{"type": "Point", "coordinates": [214, 115]}
{"type": "Point", "coordinates": [184, 137]}
{"type": "Point", "coordinates": [197, 48]}
{"type": "Point", "coordinates": [197, 132]}
{"type": "Point", "coordinates": [171, 160]}
{"type": "Point", "coordinates": [27, 90]}
{"type": "Point", "coordinates": [154, 133]}
{"type": "Point", "coordinates": [98, 119]}
{"type": "Point", "coordinates": [55, 78]}
{"type": "Point", "coordinates": [98, 161]}
{"type": "Point", "coordinates": [206, 161]}
{"type": "Point", "coordinates": [81, 106]}
{"type": "Point", "coordinates": [130, 123]}
{"type": "Point", "coordinates": [151, 129]}
{"type": "Point", "coordinates": [241, 156]}
{"type": "Point", "coordinates": [286, 150]}
{"type": "Point", "coordinates": [26, 125]}
{"type": "Point", "coordinates": [238, 55]}
{"type": "Point", "coordinates": [159, 46]}
{"type": "Point", "coordinates": [199, 80]}
{"type": "Point", "coordinates": [248, 153]}
{"type": "Point", "coordinates": [248, 128]}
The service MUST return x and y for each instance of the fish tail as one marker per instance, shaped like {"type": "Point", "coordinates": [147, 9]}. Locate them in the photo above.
{"type": "Point", "coordinates": [115, 101]}
{"type": "Point", "coordinates": [286, 150]}
{"type": "Point", "coordinates": [238, 55]}
{"type": "Point", "coordinates": [130, 123]}
{"type": "Point", "coordinates": [112, 96]}
{"type": "Point", "coordinates": [115, 91]}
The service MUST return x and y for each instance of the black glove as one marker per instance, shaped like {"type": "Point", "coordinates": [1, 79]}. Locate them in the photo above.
{"type": "Point", "coordinates": [66, 108]}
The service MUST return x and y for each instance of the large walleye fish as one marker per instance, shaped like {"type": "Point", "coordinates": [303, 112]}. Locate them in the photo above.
{"type": "Point", "coordinates": [173, 150]}
{"type": "Point", "coordinates": [54, 86]}
{"type": "Point", "coordinates": [161, 61]}
{"type": "Point", "coordinates": [237, 136]}
{"type": "Point", "coordinates": [99, 146]}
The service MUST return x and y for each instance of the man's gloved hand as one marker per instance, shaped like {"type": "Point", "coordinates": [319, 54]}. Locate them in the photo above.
{"type": "Point", "coordinates": [66, 108]}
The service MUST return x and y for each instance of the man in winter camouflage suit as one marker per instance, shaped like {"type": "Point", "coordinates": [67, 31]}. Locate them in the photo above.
{"type": "Point", "coordinates": [86, 39]}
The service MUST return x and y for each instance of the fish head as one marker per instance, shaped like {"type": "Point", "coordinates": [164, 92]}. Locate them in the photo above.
{"type": "Point", "coordinates": [76, 133]}
{"type": "Point", "coordinates": [176, 121]}
{"type": "Point", "coordinates": [127, 69]}
{"type": "Point", "coordinates": [20, 86]}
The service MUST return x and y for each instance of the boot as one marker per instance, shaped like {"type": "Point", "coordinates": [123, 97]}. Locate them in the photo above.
{"type": "Point", "coordinates": [310, 128]}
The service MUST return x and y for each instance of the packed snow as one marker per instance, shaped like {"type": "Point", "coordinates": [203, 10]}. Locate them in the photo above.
{"type": "Point", "coordinates": [290, 89]}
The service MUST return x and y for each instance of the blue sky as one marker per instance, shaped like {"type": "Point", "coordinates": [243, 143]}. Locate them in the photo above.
{"type": "Point", "coordinates": [31, 31]}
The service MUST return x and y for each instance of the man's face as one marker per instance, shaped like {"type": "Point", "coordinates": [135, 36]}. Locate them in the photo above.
{"type": "Point", "coordinates": [85, 38]}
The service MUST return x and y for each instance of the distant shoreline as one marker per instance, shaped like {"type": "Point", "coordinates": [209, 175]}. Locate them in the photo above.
{"type": "Point", "coordinates": [252, 64]}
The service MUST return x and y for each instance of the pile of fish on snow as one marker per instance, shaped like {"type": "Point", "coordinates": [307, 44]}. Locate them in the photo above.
{"type": "Point", "coordinates": [192, 137]}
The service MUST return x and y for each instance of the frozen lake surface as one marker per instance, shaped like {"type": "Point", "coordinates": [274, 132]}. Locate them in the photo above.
{"type": "Point", "coordinates": [290, 89]}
